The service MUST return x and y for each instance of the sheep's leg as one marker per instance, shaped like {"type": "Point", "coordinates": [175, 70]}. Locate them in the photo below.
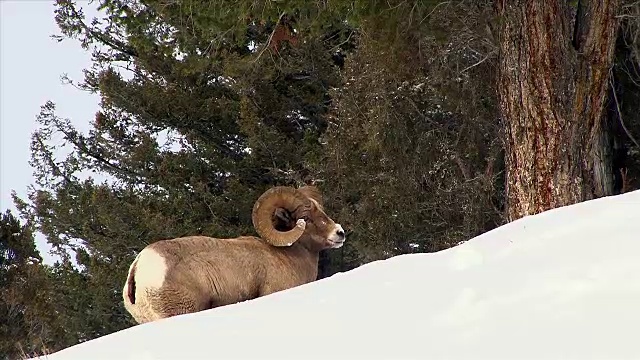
{"type": "Point", "coordinates": [172, 301]}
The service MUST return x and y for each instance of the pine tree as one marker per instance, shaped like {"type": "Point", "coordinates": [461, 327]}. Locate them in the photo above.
{"type": "Point", "coordinates": [390, 107]}
{"type": "Point", "coordinates": [558, 152]}
{"type": "Point", "coordinates": [413, 157]}
{"type": "Point", "coordinates": [21, 275]}
{"type": "Point", "coordinates": [199, 115]}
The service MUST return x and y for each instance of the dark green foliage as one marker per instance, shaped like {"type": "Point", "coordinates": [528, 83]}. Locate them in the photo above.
{"type": "Point", "coordinates": [17, 256]}
{"type": "Point", "coordinates": [193, 126]}
{"type": "Point", "coordinates": [388, 106]}
{"type": "Point", "coordinates": [17, 248]}
{"type": "Point", "coordinates": [26, 326]}
{"type": "Point", "coordinates": [412, 160]}
{"type": "Point", "coordinates": [624, 107]}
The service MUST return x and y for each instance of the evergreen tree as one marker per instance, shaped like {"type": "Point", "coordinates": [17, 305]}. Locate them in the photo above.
{"type": "Point", "coordinates": [391, 107]}
{"type": "Point", "coordinates": [558, 149]}
{"type": "Point", "coordinates": [22, 276]}
{"type": "Point", "coordinates": [623, 107]}
{"type": "Point", "coordinates": [413, 158]}
{"type": "Point", "coordinates": [198, 116]}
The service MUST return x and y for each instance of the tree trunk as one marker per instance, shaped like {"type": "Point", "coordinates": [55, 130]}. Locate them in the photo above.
{"type": "Point", "coordinates": [552, 87]}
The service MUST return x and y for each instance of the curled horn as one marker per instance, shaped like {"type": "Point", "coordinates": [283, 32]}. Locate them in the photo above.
{"type": "Point", "coordinates": [284, 197]}
{"type": "Point", "coordinates": [312, 192]}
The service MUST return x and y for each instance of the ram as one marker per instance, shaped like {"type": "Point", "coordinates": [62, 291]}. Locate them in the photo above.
{"type": "Point", "coordinates": [195, 273]}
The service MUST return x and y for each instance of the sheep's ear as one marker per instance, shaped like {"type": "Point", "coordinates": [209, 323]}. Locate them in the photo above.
{"type": "Point", "coordinates": [283, 220]}
{"type": "Point", "coordinates": [312, 192]}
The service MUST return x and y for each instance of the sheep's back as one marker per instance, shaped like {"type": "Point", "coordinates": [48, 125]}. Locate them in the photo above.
{"type": "Point", "coordinates": [223, 271]}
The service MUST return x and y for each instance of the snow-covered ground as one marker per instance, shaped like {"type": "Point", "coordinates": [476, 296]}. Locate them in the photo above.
{"type": "Point", "coordinates": [564, 284]}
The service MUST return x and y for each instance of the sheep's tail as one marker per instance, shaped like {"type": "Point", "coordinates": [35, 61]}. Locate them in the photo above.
{"type": "Point", "coordinates": [131, 282]}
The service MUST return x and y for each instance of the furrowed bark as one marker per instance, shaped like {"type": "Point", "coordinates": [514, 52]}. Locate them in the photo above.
{"type": "Point", "coordinates": [553, 90]}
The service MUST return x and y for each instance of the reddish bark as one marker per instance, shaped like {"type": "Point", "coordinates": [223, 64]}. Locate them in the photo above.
{"type": "Point", "coordinates": [554, 69]}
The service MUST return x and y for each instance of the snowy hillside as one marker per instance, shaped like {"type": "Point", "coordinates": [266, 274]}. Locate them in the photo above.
{"type": "Point", "coordinates": [564, 284]}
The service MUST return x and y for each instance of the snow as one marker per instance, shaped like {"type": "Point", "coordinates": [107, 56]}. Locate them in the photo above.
{"type": "Point", "coordinates": [564, 284]}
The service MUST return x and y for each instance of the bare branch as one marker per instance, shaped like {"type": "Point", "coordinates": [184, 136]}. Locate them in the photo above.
{"type": "Point", "coordinates": [615, 98]}
{"type": "Point", "coordinates": [266, 45]}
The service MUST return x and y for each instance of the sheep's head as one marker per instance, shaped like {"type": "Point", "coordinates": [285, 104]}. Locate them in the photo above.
{"type": "Point", "coordinates": [282, 215]}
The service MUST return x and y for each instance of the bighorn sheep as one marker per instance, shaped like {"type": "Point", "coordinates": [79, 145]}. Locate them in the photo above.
{"type": "Point", "coordinates": [195, 273]}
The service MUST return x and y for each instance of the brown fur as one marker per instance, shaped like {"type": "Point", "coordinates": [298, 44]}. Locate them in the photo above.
{"type": "Point", "coordinates": [204, 272]}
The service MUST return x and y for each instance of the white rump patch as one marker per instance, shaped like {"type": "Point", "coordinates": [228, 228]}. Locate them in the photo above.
{"type": "Point", "coordinates": [150, 270]}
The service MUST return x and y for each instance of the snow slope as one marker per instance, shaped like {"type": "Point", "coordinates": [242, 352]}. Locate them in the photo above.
{"type": "Point", "coordinates": [564, 284]}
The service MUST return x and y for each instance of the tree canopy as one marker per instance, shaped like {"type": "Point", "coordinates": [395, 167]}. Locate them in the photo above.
{"type": "Point", "coordinates": [392, 108]}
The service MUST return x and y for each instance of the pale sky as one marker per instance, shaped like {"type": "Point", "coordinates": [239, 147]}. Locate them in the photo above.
{"type": "Point", "coordinates": [31, 67]}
